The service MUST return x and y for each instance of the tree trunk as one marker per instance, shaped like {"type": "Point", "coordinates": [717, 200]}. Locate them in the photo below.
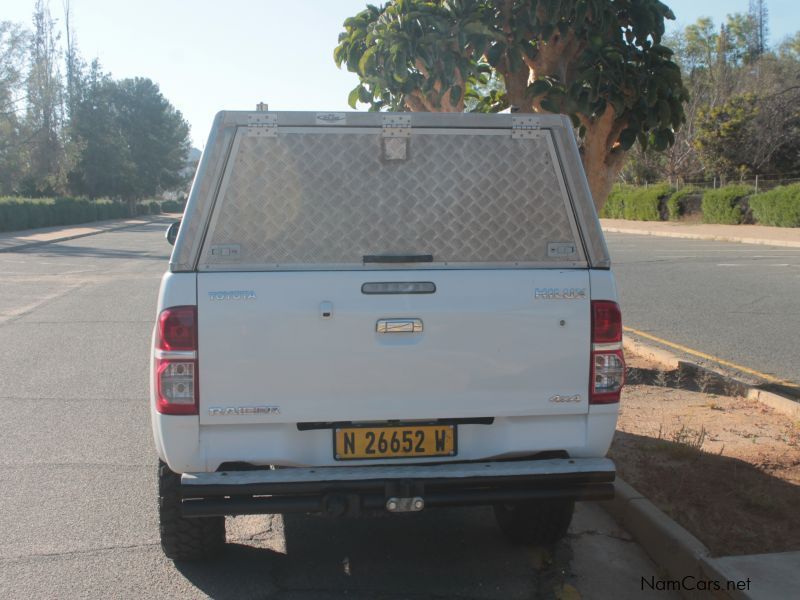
{"type": "Point", "coordinates": [602, 155]}
{"type": "Point", "coordinates": [602, 171]}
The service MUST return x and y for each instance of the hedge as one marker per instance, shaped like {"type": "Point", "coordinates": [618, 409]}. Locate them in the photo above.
{"type": "Point", "coordinates": [779, 207]}
{"type": "Point", "coordinates": [676, 203]}
{"type": "Point", "coordinates": [614, 207]}
{"type": "Point", "coordinates": [30, 213]}
{"type": "Point", "coordinates": [171, 206]}
{"type": "Point", "coordinates": [726, 204]}
{"type": "Point", "coordinates": [636, 203]}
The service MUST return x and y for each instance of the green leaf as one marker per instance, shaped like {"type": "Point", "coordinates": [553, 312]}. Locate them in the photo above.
{"type": "Point", "coordinates": [352, 98]}
{"type": "Point", "coordinates": [664, 113]}
{"type": "Point", "coordinates": [367, 61]}
{"type": "Point", "coordinates": [550, 106]}
{"type": "Point", "coordinates": [540, 86]}
{"type": "Point", "coordinates": [660, 140]}
{"type": "Point", "coordinates": [495, 54]}
{"type": "Point", "coordinates": [627, 138]}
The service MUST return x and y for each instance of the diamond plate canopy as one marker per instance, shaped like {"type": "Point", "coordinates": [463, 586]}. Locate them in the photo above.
{"type": "Point", "coordinates": [331, 198]}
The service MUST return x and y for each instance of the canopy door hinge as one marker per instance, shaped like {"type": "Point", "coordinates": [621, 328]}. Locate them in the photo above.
{"type": "Point", "coordinates": [525, 127]}
{"type": "Point", "coordinates": [396, 134]}
{"type": "Point", "coordinates": [262, 125]}
{"type": "Point", "coordinates": [397, 126]}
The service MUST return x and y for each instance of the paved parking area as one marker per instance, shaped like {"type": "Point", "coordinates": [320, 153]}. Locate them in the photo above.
{"type": "Point", "coordinates": [77, 472]}
{"type": "Point", "coordinates": [738, 302]}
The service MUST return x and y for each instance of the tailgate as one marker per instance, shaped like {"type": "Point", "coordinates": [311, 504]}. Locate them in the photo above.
{"type": "Point", "coordinates": [489, 345]}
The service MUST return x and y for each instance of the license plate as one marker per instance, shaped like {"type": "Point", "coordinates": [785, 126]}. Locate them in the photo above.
{"type": "Point", "coordinates": [351, 443]}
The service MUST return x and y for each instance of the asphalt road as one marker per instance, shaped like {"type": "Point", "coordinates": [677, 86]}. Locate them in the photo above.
{"type": "Point", "coordinates": [738, 302]}
{"type": "Point", "coordinates": [77, 472]}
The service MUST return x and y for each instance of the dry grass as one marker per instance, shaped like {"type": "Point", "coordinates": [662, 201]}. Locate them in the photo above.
{"type": "Point", "coordinates": [727, 469]}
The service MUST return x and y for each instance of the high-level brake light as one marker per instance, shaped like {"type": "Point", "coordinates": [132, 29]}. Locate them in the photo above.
{"type": "Point", "coordinates": [608, 362]}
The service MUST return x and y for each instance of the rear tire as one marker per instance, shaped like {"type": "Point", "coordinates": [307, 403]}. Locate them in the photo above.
{"type": "Point", "coordinates": [183, 538]}
{"type": "Point", "coordinates": [536, 522]}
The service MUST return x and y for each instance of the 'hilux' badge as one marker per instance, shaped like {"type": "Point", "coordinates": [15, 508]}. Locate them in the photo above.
{"type": "Point", "coordinates": [560, 293]}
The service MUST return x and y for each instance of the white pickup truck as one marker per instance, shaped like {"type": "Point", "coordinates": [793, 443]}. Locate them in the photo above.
{"type": "Point", "coordinates": [385, 312]}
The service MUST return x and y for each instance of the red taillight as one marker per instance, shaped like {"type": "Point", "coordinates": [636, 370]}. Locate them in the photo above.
{"type": "Point", "coordinates": [606, 322]}
{"type": "Point", "coordinates": [608, 362]}
{"type": "Point", "coordinates": [175, 369]}
{"type": "Point", "coordinates": [177, 328]}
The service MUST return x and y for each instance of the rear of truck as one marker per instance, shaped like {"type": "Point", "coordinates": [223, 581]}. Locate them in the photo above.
{"type": "Point", "coordinates": [385, 312]}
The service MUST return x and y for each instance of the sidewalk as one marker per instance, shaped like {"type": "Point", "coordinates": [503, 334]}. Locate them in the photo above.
{"type": "Point", "coordinates": [18, 240]}
{"type": "Point", "coordinates": [745, 234]}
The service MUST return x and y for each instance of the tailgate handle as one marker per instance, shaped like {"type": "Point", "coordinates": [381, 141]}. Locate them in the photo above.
{"type": "Point", "coordinates": [399, 326]}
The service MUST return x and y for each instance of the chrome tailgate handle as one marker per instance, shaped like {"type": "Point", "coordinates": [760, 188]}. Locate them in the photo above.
{"type": "Point", "coordinates": [399, 326]}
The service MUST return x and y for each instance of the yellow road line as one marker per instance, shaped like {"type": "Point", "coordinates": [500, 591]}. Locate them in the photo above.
{"type": "Point", "coordinates": [715, 359]}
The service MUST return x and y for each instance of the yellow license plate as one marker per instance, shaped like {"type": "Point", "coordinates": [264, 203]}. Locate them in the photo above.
{"type": "Point", "coordinates": [351, 443]}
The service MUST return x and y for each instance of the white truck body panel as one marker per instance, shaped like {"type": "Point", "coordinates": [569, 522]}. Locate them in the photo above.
{"type": "Point", "coordinates": [489, 348]}
{"type": "Point", "coordinates": [283, 322]}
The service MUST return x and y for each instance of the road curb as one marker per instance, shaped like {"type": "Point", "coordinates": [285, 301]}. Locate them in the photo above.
{"type": "Point", "coordinates": [674, 550]}
{"type": "Point", "coordinates": [66, 238]}
{"type": "Point", "coordinates": [672, 362]}
{"type": "Point", "coordinates": [706, 237]}
{"type": "Point", "coordinates": [657, 355]}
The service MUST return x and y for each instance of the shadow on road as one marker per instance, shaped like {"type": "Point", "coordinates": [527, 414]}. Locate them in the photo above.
{"type": "Point", "coordinates": [74, 251]}
{"type": "Point", "coordinates": [455, 553]}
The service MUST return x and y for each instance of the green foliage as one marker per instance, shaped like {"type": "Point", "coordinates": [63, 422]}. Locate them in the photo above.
{"type": "Point", "coordinates": [614, 208]}
{"type": "Point", "coordinates": [723, 136]}
{"type": "Point", "coordinates": [725, 205]}
{"type": "Point", "coordinates": [644, 203]}
{"type": "Point", "coordinates": [134, 142]}
{"type": "Point", "coordinates": [676, 204]}
{"type": "Point", "coordinates": [27, 213]}
{"type": "Point", "coordinates": [429, 55]}
{"type": "Point", "coordinates": [171, 206]}
{"type": "Point", "coordinates": [636, 203]}
{"type": "Point", "coordinates": [779, 207]}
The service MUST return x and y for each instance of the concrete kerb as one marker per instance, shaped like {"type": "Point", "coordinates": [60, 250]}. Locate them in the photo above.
{"type": "Point", "coordinates": [704, 237]}
{"type": "Point", "coordinates": [676, 551]}
{"type": "Point", "coordinates": [671, 362]}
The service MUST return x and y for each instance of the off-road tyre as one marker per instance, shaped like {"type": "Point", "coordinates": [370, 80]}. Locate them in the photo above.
{"type": "Point", "coordinates": [535, 522]}
{"type": "Point", "coordinates": [183, 538]}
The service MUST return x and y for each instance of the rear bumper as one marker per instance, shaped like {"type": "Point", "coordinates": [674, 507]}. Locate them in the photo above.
{"type": "Point", "coordinates": [349, 490]}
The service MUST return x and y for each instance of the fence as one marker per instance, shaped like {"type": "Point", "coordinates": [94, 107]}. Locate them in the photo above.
{"type": "Point", "coordinates": [759, 183]}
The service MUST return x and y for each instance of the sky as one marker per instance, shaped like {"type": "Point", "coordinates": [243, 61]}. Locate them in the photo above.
{"type": "Point", "coordinates": [209, 55]}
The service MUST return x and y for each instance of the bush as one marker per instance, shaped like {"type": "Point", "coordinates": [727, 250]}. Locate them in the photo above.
{"type": "Point", "coordinates": [726, 205]}
{"type": "Point", "coordinates": [613, 208]}
{"type": "Point", "coordinates": [636, 203]}
{"type": "Point", "coordinates": [171, 206]}
{"type": "Point", "coordinates": [155, 207]}
{"type": "Point", "coordinates": [644, 204]}
{"type": "Point", "coordinates": [676, 203]}
{"type": "Point", "coordinates": [30, 213]}
{"type": "Point", "coordinates": [779, 207]}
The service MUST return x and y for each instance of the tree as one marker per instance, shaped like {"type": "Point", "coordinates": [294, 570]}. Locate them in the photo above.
{"type": "Point", "coordinates": [13, 46]}
{"type": "Point", "coordinates": [752, 134]}
{"type": "Point", "coordinates": [104, 164]}
{"type": "Point", "coordinates": [134, 143]}
{"type": "Point", "coordinates": [760, 16]}
{"type": "Point", "coordinates": [45, 172]}
{"type": "Point", "coordinates": [600, 61]}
